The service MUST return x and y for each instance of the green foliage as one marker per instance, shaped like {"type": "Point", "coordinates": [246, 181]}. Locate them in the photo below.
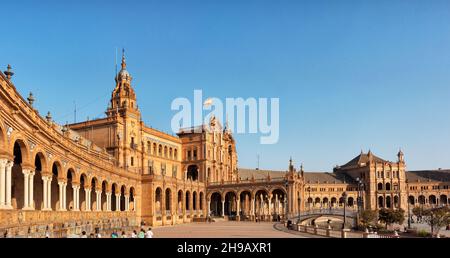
{"type": "Point", "coordinates": [437, 218]}
{"type": "Point", "coordinates": [368, 218]}
{"type": "Point", "coordinates": [417, 211]}
{"type": "Point", "coordinates": [422, 233]}
{"type": "Point", "coordinates": [389, 216]}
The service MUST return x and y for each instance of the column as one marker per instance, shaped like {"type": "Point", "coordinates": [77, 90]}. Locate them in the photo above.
{"type": "Point", "coordinates": [87, 193]}
{"type": "Point", "coordinates": [252, 208]}
{"type": "Point", "coordinates": [127, 203]}
{"type": "Point", "coordinates": [64, 196]}
{"type": "Point", "coordinates": [3, 163]}
{"type": "Point", "coordinates": [98, 199]}
{"type": "Point", "coordinates": [44, 192]}
{"type": "Point", "coordinates": [238, 207]}
{"type": "Point", "coordinates": [26, 176]}
{"type": "Point", "coordinates": [108, 201]}
{"type": "Point", "coordinates": [223, 208]}
{"type": "Point", "coordinates": [270, 204]}
{"type": "Point", "coordinates": [117, 202]}
{"type": "Point", "coordinates": [49, 193]}
{"type": "Point", "coordinates": [209, 207]}
{"type": "Point", "coordinates": [8, 185]}
{"type": "Point", "coordinates": [75, 197]}
{"type": "Point", "coordinates": [61, 195]}
{"type": "Point", "coordinates": [31, 190]}
{"type": "Point", "coordinates": [163, 207]}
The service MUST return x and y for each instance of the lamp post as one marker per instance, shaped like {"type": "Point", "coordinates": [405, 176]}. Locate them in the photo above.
{"type": "Point", "coordinates": [286, 184]}
{"type": "Point", "coordinates": [344, 196]}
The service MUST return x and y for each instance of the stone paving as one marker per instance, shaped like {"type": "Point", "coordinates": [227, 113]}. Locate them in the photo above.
{"type": "Point", "coordinates": [224, 229]}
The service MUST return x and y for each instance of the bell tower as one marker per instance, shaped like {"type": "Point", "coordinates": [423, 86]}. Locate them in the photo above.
{"type": "Point", "coordinates": [124, 111]}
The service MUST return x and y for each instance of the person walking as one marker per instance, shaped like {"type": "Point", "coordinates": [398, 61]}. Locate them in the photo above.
{"type": "Point", "coordinates": [134, 234]}
{"type": "Point", "coordinates": [83, 234]}
{"type": "Point", "coordinates": [123, 235]}
{"type": "Point", "coordinates": [149, 233]}
{"type": "Point", "coordinates": [141, 233]}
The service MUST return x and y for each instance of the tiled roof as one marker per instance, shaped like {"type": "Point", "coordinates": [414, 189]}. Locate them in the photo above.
{"type": "Point", "coordinates": [363, 158]}
{"type": "Point", "coordinates": [326, 177]}
{"type": "Point", "coordinates": [442, 175]}
{"type": "Point", "coordinates": [245, 173]}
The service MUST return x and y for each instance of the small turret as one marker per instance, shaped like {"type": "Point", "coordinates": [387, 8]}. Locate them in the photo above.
{"type": "Point", "coordinates": [400, 156]}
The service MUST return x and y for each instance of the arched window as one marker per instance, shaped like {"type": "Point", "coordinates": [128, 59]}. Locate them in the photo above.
{"type": "Point", "coordinates": [380, 186]}
{"type": "Point", "coordinates": [175, 154]}
{"type": "Point", "coordinates": [160, 150]}
{"type": "Point", "coordinates": [388, 187]}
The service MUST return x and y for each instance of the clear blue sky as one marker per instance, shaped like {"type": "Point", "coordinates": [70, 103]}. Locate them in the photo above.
{"type": "Point", "coordinates": [350, 75]}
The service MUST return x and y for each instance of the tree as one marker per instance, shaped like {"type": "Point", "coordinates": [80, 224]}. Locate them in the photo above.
{"type": "Point", "coordinates": [437, 218]}
{"type": "Point", "coordinates": [389, 216]}
{"type": "Point", "coordinates": [368, 218]}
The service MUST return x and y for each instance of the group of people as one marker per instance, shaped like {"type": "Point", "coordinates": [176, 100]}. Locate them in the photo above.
{"type": "Point", "coordinates": [142, 234]}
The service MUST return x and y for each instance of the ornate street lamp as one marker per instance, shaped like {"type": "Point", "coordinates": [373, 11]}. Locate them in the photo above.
{"type": "Point", "coordinates": [344, 196]}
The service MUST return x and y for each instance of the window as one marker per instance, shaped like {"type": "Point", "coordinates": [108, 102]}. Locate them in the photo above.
{"type": "Point", "coordinates": [175, 171]}
{"type": "Point", "coordinates": [175, 154]}
{"type": "Point", "coordinates": [132, 161]}
{"type": "Point", "coordinates": [163, 169]}
{"type": "Point", "coordinates": [195, 154]}
{"type": "Point", "coordinates": [150, 167]}
{"type": "Point", "coordinates": [189, 155]}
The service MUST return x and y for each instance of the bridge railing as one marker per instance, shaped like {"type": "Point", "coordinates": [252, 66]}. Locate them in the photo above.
{"type": "Point", "coordinates": [348, 213]}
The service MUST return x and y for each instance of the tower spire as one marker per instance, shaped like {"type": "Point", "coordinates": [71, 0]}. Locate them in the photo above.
{"type": "Point", "coordinates": [124, 64]}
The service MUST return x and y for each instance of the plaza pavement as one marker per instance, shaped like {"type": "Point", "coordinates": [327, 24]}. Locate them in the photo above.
{"type": "Point", "coordinates": [224, 229]}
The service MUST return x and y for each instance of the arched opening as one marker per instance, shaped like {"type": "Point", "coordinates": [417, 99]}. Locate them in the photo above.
{"type": "Point", "coordinates": [216, 204]}
{"type": "Point", "coordinates": [230, 204]}
{"type": "Point", "coordinates": [158, 201]}
{"type": "Point", "coordinates": [396, 201]}
{"type": "Point", "coordinates": [180, 202]}
{"type": "Point", "coordinates": [443, 199]}
{"type": "Point", "coordinates": [201, 200]}
{"type": "Point", "coordinates": [104, 197]}
{"type": "Point", "coordinates": [38, 183]}
{"type": "Point", "coordinates": [113, 197]}
{"type": "Point", "coordinates": [122, 198]}
{"type": "Point", "coordinates": [194, 201]}
{"type": "Point", "coordinates": [388, 187]}
{"type": "Point", "coordinates": [131, 204]}
{"type": "Point", "coordinates": [187, 202]}
{"type": "Point", "coordinates": [350, 202]}
{"type": "Point", "coordinates": [421, 199]}
{"type": "Point", "coordinates": [54, 196]}
{"type": "Point", "coordinates": [262, 204]}
{"type": "Point", "coordinates": [246, 202]}
{"type": "Point", "coordinates": [333, 202]}
{"type": "Point", "coordinates": [310, 202]}
{"type": "Point", "coordinates": [325, 202]}
{"type": "Point", "coordinates": [388, 202]}
{"type": "Point", "coordinates": [82, 193]}
{"type": "Point", "coordinates": [380, 202]}
{"type": "Point", "coordinates": [94, 201]}
{"type": "Point", "coordinates": [17, 177]}
{"type": "Point", "coordinates": [380, 186]}
{"type": "Point", "coordinates": [192, 173]}
{"type": "Point", "coordinates": [317, 202]}
{"type": "Point", "coordinates": [168, 201]}
{"type": "Point", "coordinates": [70, 205]}
{"type": "Point", "coordinates": [432, 200]}
{"type": "Point", "coordinates": [411, 200]}
{"type": "Point", "coordinates": [278, 204]}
